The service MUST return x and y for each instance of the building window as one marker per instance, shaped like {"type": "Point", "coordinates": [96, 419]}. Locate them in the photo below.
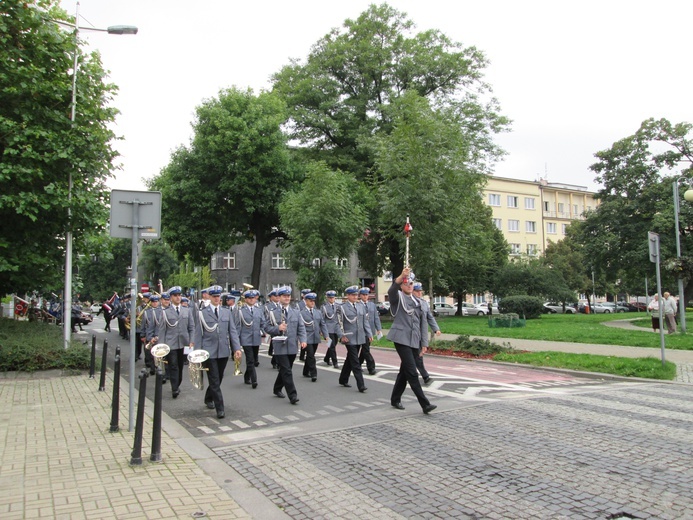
{"type": "Point", "coordinates": [529, 202]}
{"type": "Point", "coordinates": [512, 201]}
{"type": "Point", "coordinates": [551, 228]}
{"type": "Point", "coordinates": [531, 226]}
{"type": "Point", "coordinates": [513, 225]}
{"type": "Point", "coordinates": [515, 249]}
{"type": "Point", "coordinates": [494, 199]}
{"type": "Point", "coordinates": [532, 249]}
{"type": "Point", "coordinates": [498, 223]}
{"type": "Point", "coordinates": [341, 263]}
{"type": "Point", "coordinates": [546, 205]}
{"type": "Point", "coordinates": [575, 210]}
{"type": "Point", "coordinates": [229, 261]}
{"type": "Point", "coordinates": [561, 207]}
{"type": "Point", "coordinates": [278, 261]}
{"type": "Point", "coordinates": [564, 228]}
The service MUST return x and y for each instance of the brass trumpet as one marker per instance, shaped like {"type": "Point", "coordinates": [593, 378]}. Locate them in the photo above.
{"type": "Point", "coordinates": [237, 370]}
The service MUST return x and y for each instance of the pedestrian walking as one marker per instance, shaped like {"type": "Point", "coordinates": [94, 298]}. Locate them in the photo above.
{"type": "Point", "coordinates": [329, 312]}
{"type": "Point", "coordinates": [248, 320]}
{"type": "Point", "coordinates": [316, 328]}
{"type": "Point", "coordinates": [417, 291]}
{"type": "Point", "coordinates": [353, 329]}
{"type": "Point", "coordinates": [376, 328]}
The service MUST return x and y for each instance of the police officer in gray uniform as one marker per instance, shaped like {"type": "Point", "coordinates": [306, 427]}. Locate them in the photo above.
{"type": "Point", "coordinates": [376, 327]}
{"type": "Point", "coordinates": [315, 330]}
{"type": "Point", "coordinates": [177, 330]}
{"type": "Point", "coordinates": [150, 322]}
{"type": "Point", "coordinates": [218, 336]}
{"type": "Point", "coordinates": [329, 312]}
{"type": "Point", "coordinates": [432, 323]}
{"type": "Point", "coordinates": [288, 333]}
{"type": "Point", "coordinates": [271, 305]}
{"type": "Point", "coordinates": [353, 329]}
{"type": "Point", "coordinates": [409, 333]}
{"type": "Point", "coordinates": [249, 324]}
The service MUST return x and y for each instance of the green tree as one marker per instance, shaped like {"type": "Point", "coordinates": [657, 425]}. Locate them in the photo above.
{"type": "Point", "coordinates": [189, 277]}
{"type": "Point", "coordinates": [224, 189]}
{"type": "Point", "coordinates": [565, 257]}
{"type": "Point", "coordinates": [324, 219]}
{"type": "Point", "coordinates": [531, 277]}
{"type": "Point", "coordinates": [346, 97]}
{"type": "Point", "coordinates": [40, 147]}
{"type": "Point", "coordinates": [105, 271]}
{"type": "Point", "coordinates": [637, 173]}
{"type": "Point", "coordinates": [157, 262]}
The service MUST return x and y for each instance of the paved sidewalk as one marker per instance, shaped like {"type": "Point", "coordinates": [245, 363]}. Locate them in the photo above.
{"type": "Point", "coordinates": [59, 459]}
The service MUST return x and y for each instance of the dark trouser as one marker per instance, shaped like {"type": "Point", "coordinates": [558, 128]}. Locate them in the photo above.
{"type": "Point", "coordinates": [365, 354]}
{"type": "Point", "coordinates": [407, 374]}
{"type": "Point", "coordinates": [250, 375]}
{"type": "Point", "coordinates": [107, 317]}
{"type": "Point", "coordinates": [309, 369]}
{"type": "Point", "coordinates": [121, 327]}
{"type": "Point", "coordinates": [655, 323]}
{"type": "Point", "coordinates": [285, 378]}
{"type": "Point", "coordinates": [148, 359]}
{"type": "Point", "coordinates": [174, 367]}
{"type": "Point", "coordinates": [418, 358]}
{"type": "Point", "coordinates": [256, 354]}
{"type": "Point", "coordinates": [138, 345]}
{"type": "Point", "coordinates": [215, 375]}
{"type": "Point", "coordinates": [302, 355]}
{"type": "Point", "coordinates": [351, 364]}
{"type": "Point", "coordinates": [331, 354]}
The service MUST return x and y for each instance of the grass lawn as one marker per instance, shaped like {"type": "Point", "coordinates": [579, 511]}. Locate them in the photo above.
{"type": "Point", "coordinates": [575, 328]}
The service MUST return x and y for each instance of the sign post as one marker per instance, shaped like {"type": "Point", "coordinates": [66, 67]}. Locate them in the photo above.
{"type": "Point", "coordinates": [135, 215]}
{"type": "Point", "coordinates": [653, 243]}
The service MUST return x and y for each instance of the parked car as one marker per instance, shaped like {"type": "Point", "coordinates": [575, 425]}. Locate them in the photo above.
{"type": "Point", "coordinates": [383, 308]}
{"type": "Point", "coordinates": [634, 306]}
{"type": "Point", "coordinates": [557, 308]}
{"type": "Point", "coordinates": [484, 306]}
{"type": "Point", "coordinates": [609, 307]}
{"type": "Point", "coordinates": [469, 309]}
{"type": "Point", "coordinates": [95, 307]}
{"type": "Point", "coordinates": [443, 309]}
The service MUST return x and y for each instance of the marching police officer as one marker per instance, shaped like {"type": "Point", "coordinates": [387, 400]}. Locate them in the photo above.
{"type": "Point", "coordinates": [376, 328]}
{"type": "Point", "coordinates": [432, 323]}
{"type": "Point", "coordinates": [248, 320]}
{"type": "Point", "coordinates": [315, 329]}
{"type": "Point", "coordinates": [150, 323]}
{"type": "Point", "coordinates": [270, 306]}
{"type": "Point", "coordinates": [354, 329]}
{"type": "Point", "coordinates": [217, 335]}
{"type": "Point", "coordinates": [329, 312]}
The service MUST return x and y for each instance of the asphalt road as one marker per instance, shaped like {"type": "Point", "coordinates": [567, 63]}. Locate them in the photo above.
{"type": "Point", "coordinates": [505, 442]}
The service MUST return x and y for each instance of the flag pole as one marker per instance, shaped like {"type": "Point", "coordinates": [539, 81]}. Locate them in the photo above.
{"type": "Point", "coordinates": [407, 232]}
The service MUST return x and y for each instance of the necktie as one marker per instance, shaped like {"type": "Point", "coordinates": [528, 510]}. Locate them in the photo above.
{"type": "Point", "coordinates": [177, 311]}
{"type": "Point", "coordinates": [311, 313]}
{"type": "Point", "coordinates": [216, 312]}
{"type": "Point", "coordinates": [251, 311]}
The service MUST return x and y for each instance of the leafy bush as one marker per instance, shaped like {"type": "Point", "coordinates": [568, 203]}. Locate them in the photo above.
{"type": "Point", "coordinates": [508, 321]}
{"type": "Point", "coordinates": [31, 346]}
{"type": "Point", "coordinates": [475, 347]}
{"type": "Point", "coordinates": [528, 307]}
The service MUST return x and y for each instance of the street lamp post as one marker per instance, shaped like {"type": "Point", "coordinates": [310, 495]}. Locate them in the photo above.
{"type": "Point", "coordinates": [67, 293]}
{"type": "Point", "coordinates": [688, 195]}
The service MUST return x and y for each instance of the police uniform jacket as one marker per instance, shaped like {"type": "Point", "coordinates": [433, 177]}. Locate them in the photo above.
{"type": "Point", "coordinates": [150, 322]}
{"type": "Point", "coordinates": [329, 312]}
{"type": "Point", "coordinates": [430, 319]}
{"type": "Point", "coordinates": [409, 325]}
{"type": "Point", "coordinates": [248, 321]}
{"type": "Point", "coordinates": [353, 323]}
{"type": "Point", "coordinates": [373, 316]}
{"type": "Point", "coordinates": [295, 332]}
{"type": "Point", "coordinates": [218, 336]}
{"type": "Point", "coordinates": [176, 330]}
{"type": "Point", "coordinates": [315, 325]}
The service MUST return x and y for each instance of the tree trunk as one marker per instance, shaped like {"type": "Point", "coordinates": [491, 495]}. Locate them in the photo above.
{"type": "Point", "coordinates": [257, 262]}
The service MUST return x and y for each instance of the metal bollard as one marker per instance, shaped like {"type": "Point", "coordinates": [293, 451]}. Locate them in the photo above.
{"type": "Point", "coordinates": [136, 456]}
{"type": "Point", "coordinates": [115, 402]}
{"type": "Point", "coordinates": [104, 359]}
{"type": "Point", "coordinates": [156, 429]}
{"type": "Point", "coordinates": [92, 364]}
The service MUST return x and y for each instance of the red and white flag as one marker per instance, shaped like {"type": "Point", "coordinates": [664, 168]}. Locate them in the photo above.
{"type": "Point", "coordinates": [21, 307]}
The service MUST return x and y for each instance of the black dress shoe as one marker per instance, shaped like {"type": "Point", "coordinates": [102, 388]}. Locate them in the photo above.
{"type": "Point", "coordinates": [313, 379]}
{"type": "Point", "coordinates": [247, 382]}
{"type": "Point", "coordinates": [210, 406]}
{"type": "Point", "coordinates": [397, 405]}
{"type": "Point", "coordinates": [254, 386]}
{"type": "Point", "coordinates": [221, 415]}
{"type": "Point", "coordinates": [336, 365]}
{"type": "Point", "coordinates": [280, 394]}
{"type": "Point", "coordinates": [152, 372]}
{"type": "Point", "coordinates": [345, 385]}
{"type": "Point", "coordinates": [176, 393]}
{"type": "Point", "coordinates": [362, 390]}
{"type": "Point", "coordinates": [294, 400]}
{"type": "Point", "coordinates": [257, 364]}
{"type": "Point", "coordinates": [372, 372]}
{"type": "Point", "coordinates": [428, 381]}
{"type": "Point", "coordinates": [429, 408]}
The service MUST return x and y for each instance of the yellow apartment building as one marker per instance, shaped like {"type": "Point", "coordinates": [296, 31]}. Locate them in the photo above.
{"type": "Point", "coordinates": [533, 213]}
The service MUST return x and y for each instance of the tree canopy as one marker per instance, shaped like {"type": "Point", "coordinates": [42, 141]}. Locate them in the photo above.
{"type": "Point", "coordinates": [225, 188]}
{"type": "Point", "coordinates": [40, 147]}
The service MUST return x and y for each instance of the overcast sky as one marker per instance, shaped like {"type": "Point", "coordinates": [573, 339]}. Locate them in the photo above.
{"type": "Point", "coordinates": [573, 76]}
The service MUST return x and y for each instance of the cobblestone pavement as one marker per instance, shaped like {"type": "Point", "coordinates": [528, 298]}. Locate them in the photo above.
{"type": "Point", "coordinates": [619, 453]}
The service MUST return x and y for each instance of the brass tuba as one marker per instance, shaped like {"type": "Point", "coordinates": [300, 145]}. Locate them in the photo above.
{"type": "Point", "coordinates": [159, 352]}
{"type": "Point", "coordinates": [195, 360]}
